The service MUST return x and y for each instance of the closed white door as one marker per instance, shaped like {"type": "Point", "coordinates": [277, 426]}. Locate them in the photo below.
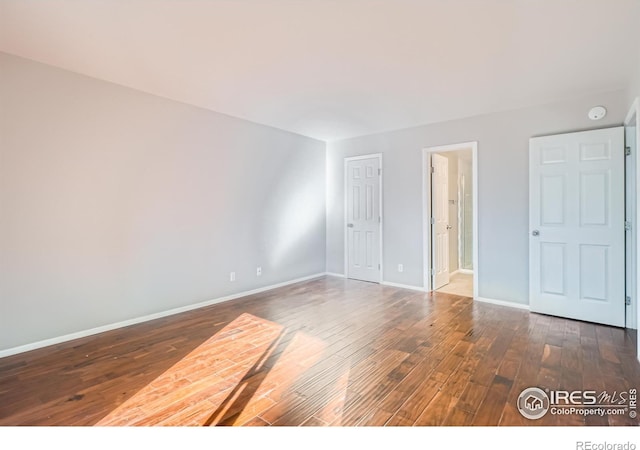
{"type": "Point", "coordinates": [576, 218]}
{"type": "Point", "coordinates": [440, 219]}
{"type": "Point", "coordinates": [363, 219]}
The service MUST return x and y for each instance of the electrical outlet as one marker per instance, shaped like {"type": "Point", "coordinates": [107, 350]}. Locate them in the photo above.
{"type": "Point", "coordinates": [400, 268]}
{"type": "Point", "coordinates": [232, 276]}
{"type": "Point", "coordinates": [259, 271]}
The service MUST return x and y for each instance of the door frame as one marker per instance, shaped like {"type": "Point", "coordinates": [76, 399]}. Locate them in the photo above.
{"type": "Point", "coordinates": [426, 209]}
{"type": "Point", "coordinates": [345, 221]}
{"type": "Point", "coordinates": [633, 118]}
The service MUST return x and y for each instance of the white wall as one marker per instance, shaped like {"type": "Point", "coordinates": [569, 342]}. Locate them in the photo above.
{"type": "Point", "coordinates": [634, 88]}
{"type": "Point", "coordinates": [503, 188]}
{"type": "Point", "coordinates": [115, 204]}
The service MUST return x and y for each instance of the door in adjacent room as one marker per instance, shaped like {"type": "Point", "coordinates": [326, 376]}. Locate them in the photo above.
{"type": "Point", "coordinates": [576, 217]}
{"type": "Point", "coordinates": [440, 219]}
{"type": "Point", "coordinates": [363, 218]}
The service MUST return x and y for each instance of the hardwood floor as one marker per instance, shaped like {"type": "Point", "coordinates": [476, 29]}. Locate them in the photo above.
{"type": "Point", "coordinates": [323, 352]}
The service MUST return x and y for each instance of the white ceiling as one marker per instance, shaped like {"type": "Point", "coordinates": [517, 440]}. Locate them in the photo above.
{"type": "Point", "coordinates": [332, 69]}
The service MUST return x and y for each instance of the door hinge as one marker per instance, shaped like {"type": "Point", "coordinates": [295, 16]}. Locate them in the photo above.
{"type": "Point", "coordinates": [627, 151]}
{"type": "Point", "coordinates": [432, 272]}
{"type": "Point", "coordinates": [433, 221]}
{"type": "Point", "coordinates": [379, 171]}
{"type": "Point", "coordinates": [627, 225]}
{"type": "Point", "coordinates": [379, 219]}
{"type": "Point", "coordinates": [433, 169]}
{"type": "Point", "coordinates": [627, 301]}
{"type": "Point", "coordinates": [378, 266]}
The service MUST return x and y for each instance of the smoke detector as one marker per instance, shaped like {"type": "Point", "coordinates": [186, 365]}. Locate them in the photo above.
{"type": "Point", "coordinates": [597, 112]}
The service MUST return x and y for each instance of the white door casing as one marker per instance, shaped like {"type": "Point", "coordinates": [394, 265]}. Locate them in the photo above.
{"type": "Point", "coordinates": [440, 214]}
{"type": "Point", "coordinates": [576, 219]}
{"type": "Point", "coordinates": [632, 231]}
{"type": "Point", "coordinates": [363, 216]}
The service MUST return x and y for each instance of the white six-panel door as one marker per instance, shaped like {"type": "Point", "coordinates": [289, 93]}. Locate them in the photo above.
{"type": "Point", "coordinates": [363, 219]}
{"type": "Point", "coordinates": [576, 218]}
{"type": "Point", "coordinates": [440, 213]}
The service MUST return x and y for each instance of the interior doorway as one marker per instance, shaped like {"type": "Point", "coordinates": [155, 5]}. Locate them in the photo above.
{"type": "Point", "coordinates": [450, 222]}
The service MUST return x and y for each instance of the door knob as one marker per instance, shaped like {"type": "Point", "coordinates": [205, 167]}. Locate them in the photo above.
{"type": "Point", "coordinates": [349, 225]}
{"type": "Point", "coordinates": [535, 233]}
{"type": "Point", "coordinates": [449, 227]}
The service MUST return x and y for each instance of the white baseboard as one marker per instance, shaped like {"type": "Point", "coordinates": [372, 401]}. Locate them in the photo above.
{"type": "Point", "coordinates": [404, 286]}
{"type": "Point", "coordinates": [158, 315]}
{"type": "Point", "coordinates": [333, 274]}
{"type": "Point", "coordinates": [502, 303]}
{"type": "Point", "coordinates": [465, 271]}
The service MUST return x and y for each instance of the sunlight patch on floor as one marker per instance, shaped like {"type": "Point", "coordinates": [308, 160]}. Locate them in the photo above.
{"type": "Point", "coordinates": [232, 377]}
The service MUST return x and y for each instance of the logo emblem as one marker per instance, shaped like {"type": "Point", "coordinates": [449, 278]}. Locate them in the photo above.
{"type": "Point", "coordinates": [533, 403]}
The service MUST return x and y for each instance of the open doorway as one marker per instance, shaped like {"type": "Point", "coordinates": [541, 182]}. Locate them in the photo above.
{"type": "Point", "coordinates": [450, 194]}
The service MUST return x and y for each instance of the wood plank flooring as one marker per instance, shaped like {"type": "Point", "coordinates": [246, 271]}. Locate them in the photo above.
{"type": "Point", "coordinates": [327, 352]}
